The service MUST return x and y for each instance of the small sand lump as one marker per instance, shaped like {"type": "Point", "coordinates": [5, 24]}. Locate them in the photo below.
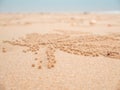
{"type": "Point", "coordinates": [4, 50]}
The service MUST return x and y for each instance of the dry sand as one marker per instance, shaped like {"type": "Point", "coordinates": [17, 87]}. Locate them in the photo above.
{"type": "Point", "coordinates": [59, 51]}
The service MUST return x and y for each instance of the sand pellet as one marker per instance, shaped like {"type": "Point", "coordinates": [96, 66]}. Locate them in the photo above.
{"type": "Point", "coordinates": [33, 65]}
{"type": "Point", "coordinates": [36, 58]}
{"type": "Point", "coordinates": [39, 67]}
{"type": "Point", "coordinates": [4, 50]}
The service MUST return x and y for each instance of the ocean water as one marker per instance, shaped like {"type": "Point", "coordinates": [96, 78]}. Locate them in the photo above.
{"type": "Point", "coordinates": [59, 6]}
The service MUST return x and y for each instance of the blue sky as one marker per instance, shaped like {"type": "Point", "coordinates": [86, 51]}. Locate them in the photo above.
{"type": "Point", "coordinates": [58, 5]}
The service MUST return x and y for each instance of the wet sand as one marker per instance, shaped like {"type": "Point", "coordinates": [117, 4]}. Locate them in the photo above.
{"type": "Point", "coordinates": [59, 51]}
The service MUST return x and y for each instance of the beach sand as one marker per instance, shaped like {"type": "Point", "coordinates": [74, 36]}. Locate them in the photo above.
{"type": "Point", "coordinates": [65, 51]}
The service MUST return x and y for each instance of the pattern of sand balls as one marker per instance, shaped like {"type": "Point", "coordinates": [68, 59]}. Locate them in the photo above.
{"type": "Point", "coordinates": [50, 56]}
{"type": "Point", "coordinates": [39, 62]}
{"type": "Point", "coordinates": [86, 45]}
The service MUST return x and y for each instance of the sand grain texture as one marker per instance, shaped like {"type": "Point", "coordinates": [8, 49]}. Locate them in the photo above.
{"type": "Point", "coordinates": [59, 51]}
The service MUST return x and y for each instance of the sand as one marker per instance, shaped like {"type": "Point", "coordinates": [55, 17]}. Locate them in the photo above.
{"type": "Point", "coordinates": [48, 51]}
